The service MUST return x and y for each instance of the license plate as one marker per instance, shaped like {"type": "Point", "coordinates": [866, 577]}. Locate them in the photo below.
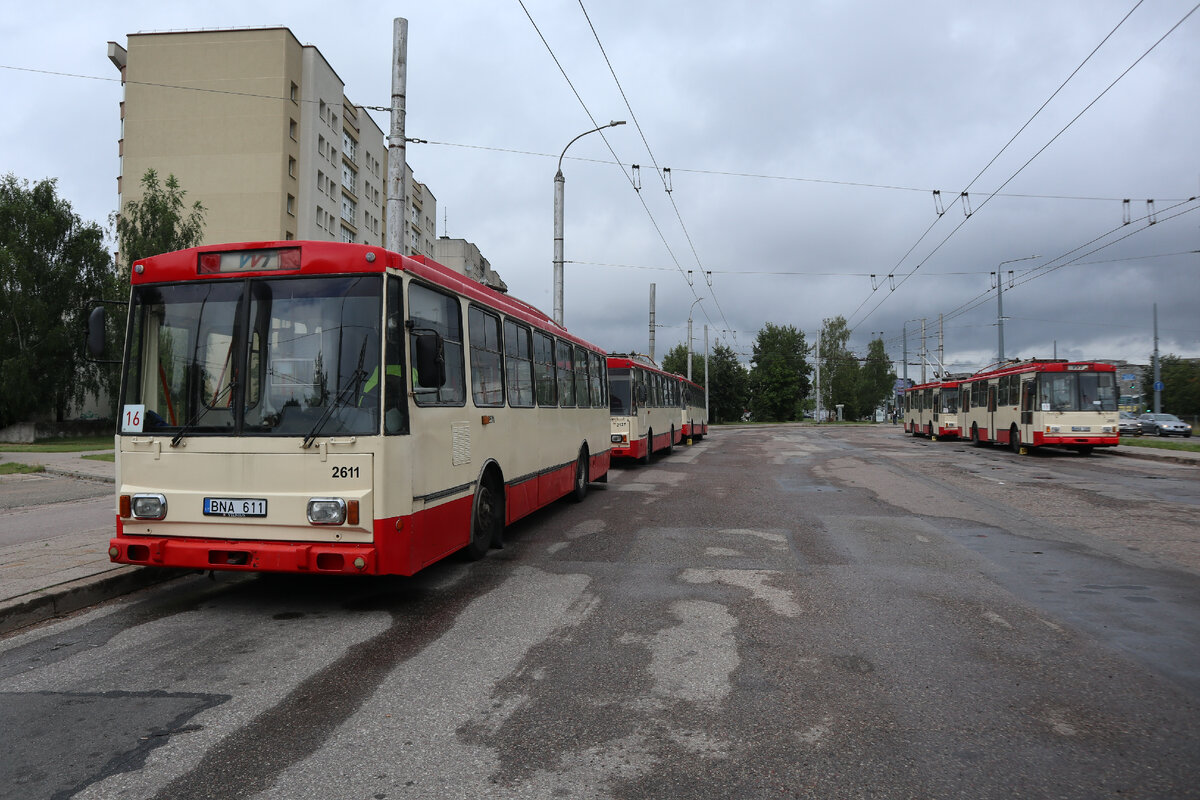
{"type": "Point", "coordinates": [234, 507]}
{"type": "Point", "coordinates": [1081, 428]}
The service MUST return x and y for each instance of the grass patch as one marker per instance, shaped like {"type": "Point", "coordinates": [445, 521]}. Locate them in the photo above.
{"type": "Point", "coordinates": [70, 445]}
{"type": "Point", "coordinates": [1186, 445]}
{"type": "Point", "coordinates": [100, 457]}
{"type": "Point", "coordinates": [14, 468]}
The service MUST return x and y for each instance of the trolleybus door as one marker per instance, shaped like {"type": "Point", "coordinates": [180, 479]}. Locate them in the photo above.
{"type": "Point", "coordinates": [993, 434]}
{"type": "Point", "coordinates": [1027, 395]}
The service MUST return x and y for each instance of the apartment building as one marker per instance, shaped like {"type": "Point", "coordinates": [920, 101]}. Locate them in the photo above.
{"type": "Point", "coordinates": [258, 128]}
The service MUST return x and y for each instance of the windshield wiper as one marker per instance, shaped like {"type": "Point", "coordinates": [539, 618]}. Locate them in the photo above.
{"type": "Point", "coordinates": [199, 415]}
{"type": "Point", "coordinates": [357, 378]}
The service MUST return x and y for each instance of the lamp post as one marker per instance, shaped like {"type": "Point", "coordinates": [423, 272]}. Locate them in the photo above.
{"type": "Point", "coordinates": [697, 300]}
{"type": "Point", "coordinates": [1000, 305]}
{"type": "Point", "coordinates": [559, 182]}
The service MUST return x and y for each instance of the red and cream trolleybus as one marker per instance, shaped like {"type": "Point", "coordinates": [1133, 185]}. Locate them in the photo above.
{"type": "Point", "coordinates": [693, 403]}
{"type": "Point", "coordinates": [645, 408]}
{"type": "Point", "coordinates": [933, 410]}
{"type": "Point", "coordinates": [1043, 403]}
{"type": "Point", "coordinates": [337, 408]}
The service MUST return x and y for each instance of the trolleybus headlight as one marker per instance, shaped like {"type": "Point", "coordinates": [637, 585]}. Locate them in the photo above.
{"type": "Point", "coordinates": [148, 506]}
{"type": "Point", "coordinates": [327, 511]}
{"type": "Point", "coordinates": [616, 438]}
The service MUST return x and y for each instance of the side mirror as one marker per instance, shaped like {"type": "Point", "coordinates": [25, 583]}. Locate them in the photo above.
{"type": "Point", "coordinates": [95, 332]}
{"type": "Point", "coordinates": [431, 361]}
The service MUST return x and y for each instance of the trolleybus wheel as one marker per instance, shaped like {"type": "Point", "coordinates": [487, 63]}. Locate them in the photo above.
{"type": "Point", "coordinates": [581, 477]}
{"type": "Point", "coordinates": [1014, 440]}
{"type": "Point", "coordinates": [649, 447]}
{"type": "Point", "coordinates": [671, 442]}
{"type": "Point", "coordinates": [487, 520]}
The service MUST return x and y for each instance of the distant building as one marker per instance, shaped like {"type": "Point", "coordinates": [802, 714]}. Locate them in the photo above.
{"type": "Point", "coordinates": [462, 256]}
{"type": "Point", "coordinates": [257, 127]}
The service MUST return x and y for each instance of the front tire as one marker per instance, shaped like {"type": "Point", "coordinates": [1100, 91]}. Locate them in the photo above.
{"type": "Point", "coordinates": [649, 447]}
{"type": "Point", "coordinates": [487, 520]}
{"type": "Point", "coordinates": [1014, 441]}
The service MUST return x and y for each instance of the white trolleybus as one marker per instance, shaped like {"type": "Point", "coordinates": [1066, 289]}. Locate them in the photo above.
{"type": "Point", "coordinates": [933, 410]}
{"type": "Point", "coordinates": [694, 404]}
{"type": "Point", "coordinates": [645, 403]}
{"type": "Point", "coordinates": [1043, 403]}
{"type": "Point", "coordinates": [335, 408]}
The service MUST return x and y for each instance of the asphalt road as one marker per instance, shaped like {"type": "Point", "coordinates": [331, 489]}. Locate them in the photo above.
{"type": "Point", "coordinates": [774, 612]}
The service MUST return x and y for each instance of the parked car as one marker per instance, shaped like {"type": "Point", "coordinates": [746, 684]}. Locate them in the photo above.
{"type": "Point", "coordinates": [1164, 425]}
{"type": "Point", "coordinates": [1129, 425]}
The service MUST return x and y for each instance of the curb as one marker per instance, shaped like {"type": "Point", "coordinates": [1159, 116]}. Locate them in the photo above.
{"type": "Point", "coordinates": [65, 598]}
{"type": "Point", "coordinates": [1158, 455]}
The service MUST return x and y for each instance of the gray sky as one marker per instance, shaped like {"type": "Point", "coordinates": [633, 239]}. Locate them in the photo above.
{"type": "Point", "coordinates": [805, 141]}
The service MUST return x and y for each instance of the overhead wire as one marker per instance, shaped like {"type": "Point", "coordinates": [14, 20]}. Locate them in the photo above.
{"type": "Point", "coordinates": [661, 175]}
{"type": "Point", "coordinates": [1031, 158]}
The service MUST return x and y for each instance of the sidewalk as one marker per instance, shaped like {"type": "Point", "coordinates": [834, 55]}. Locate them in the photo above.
{"type": "Point", "coordinates": [54, 576]}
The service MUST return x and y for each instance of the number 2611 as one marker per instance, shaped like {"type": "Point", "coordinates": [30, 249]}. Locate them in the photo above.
{"type": "Point", "coordinates": [345, 472]}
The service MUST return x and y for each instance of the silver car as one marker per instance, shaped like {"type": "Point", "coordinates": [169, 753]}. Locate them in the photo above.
{"type": "Point", "coordinates": [1128, 424]}
{"type": "Point", "coordinates": [1164, 425]}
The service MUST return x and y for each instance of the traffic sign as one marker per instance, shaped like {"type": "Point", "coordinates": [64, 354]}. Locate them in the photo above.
{"type": "Point", "coordinates": [1158, 386]}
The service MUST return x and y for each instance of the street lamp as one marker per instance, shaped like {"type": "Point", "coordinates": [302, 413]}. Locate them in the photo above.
{"type": "Point", "coordinates": [1000, 304]}
{"type": "Point", "coordinates": [697, 300]}
{"type": "Point", "coordinates": [559, 182]}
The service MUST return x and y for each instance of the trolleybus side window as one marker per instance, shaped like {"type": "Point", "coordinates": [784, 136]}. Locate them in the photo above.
{"type": "Point", "coordinates": [430, 310]}
{"type": "Point", "coordinates": [543, 370]}
{"type": "Point", "coordinates": [598, 373]}
{"type": "Point", "coordinates": [487, 374]}
{"type": "Point", "coordinates": [581, 378]}
{"type": "Point", "coordinates": [566, 374]}
{"type": "Point", "coordinates": [518, 364]}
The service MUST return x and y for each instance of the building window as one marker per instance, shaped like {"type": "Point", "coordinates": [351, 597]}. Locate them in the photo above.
{"type": "Point", "coordinates": [292, 128]}
{"type": "Point", "coordinates": [414, 242]}
{"type": "Point", "coordinates": [295, 93]}
{"type": "Point", "coordinates": [347, 235]}
{"type": "Point", "coordinates": [291, 166]}
{"type": "Point", "coordinates": [348, 209]}
{"type": "Point", "coordinates": [324, 110]}
{"type": "Point", "coordinates": [291, 205]}
{"type": "Point", "coordinates": [349, 178]}
{"type": "Point", "coordinates": [350, 147]}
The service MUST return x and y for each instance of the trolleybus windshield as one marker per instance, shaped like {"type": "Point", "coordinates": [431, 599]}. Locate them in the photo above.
{"type": "Point", "coordinates": [1077, 391]}
{"type": "Point", "coordinates": [620, 392]}
{"type": "Point", "coordinates": [254, 357]}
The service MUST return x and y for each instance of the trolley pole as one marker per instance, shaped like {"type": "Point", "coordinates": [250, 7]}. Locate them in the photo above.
{"type": "Point", "coordinates": [396, 147]}
{"type": "Point", "coordinates": [706, 415]}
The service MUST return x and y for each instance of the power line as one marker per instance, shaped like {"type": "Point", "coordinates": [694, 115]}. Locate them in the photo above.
{"type": "Point", "coordinates": [1042, 149]}
{"type": "Point", "coordinates": [517, 151]}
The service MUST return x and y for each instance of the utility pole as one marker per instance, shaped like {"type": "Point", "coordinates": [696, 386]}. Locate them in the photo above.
{"type": "Point", "coordinates": [904, 328]}
{"type": "Point", "coordinates": [820, 342]}
{"type": "Point", "coordinates": [706, 415]}
{"type": "Point", "coordinates": [1000, 314]}
{"type": "Point", "coordinates": [942, 346]}
{"type": "Point", "coordinates": [396, 145]}
{"type": "Point", "coordinates": [652, 287]}
{"type": "Point", "coordinates": [924, 351]}
{"type": "Point", "coordinates": [1157, 375]}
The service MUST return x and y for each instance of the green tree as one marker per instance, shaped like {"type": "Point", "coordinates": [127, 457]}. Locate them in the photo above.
{"type": "Point", "coordinates": [1181, 385]}
{"type": "Point", "coordinates": [876, 381]}
{"type": "Point", "coordinates": [158, 221]}
{"type": "Point", "coordinates": [779, 380]}
{"type": "Point", "coordinates": [728, 391]}
{"type": "Point", "coordinates": [676, 360]}
{"type": "Point", "coordinates": [839, 368]}
{"type": "Point", "coordinates": [52, 264]}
